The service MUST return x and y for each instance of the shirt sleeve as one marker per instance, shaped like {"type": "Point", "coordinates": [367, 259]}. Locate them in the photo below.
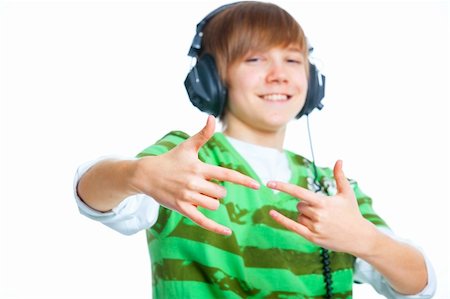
{"type": "Point", "coordinates": [365, 273]}
{"type": "Point", "coordinates": [133, 214]}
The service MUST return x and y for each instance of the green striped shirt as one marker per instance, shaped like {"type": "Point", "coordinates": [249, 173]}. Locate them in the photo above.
{"type": "Point", "coordinates": [261, 259]}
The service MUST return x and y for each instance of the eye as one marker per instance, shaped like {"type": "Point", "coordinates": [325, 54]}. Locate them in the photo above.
{"type": "Point", "coordinates": [295, 60]}
{"type": "Point", "coordinates": [253, 59]}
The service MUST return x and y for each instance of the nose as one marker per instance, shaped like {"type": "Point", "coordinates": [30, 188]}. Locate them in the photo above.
{"type": "Point", "coordinates": [276, 73]}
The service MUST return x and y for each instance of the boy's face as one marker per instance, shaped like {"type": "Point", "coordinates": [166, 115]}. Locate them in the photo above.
{"type": "Point", "coordinates": [267, 89]}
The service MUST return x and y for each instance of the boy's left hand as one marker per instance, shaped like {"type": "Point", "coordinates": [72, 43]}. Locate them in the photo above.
{"type": "Point", "coordinates": [333, 222]}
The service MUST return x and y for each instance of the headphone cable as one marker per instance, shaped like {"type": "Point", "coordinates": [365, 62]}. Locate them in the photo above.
{"type": "Point", "coordinates": [324, 253]}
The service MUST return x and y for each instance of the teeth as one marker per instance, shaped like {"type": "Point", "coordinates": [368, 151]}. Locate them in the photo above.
{"type": "Point", "coordinates": [275, 97]}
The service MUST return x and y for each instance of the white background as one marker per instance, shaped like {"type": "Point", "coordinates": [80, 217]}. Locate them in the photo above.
{"type": "Point", "coordinates": [81, 79]}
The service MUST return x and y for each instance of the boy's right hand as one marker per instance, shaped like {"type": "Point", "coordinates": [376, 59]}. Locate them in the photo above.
{"type": "Point", "coordinates": [179, 181]}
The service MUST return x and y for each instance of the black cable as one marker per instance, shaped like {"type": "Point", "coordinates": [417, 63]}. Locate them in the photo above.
{"type": "Point", "coordinates": [324, 253]}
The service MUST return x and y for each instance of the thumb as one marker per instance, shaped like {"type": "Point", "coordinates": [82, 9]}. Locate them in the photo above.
{"type": "Point", "coordinates": [199, 139]}
{"type": "Point", "coordinates": [342, 184]}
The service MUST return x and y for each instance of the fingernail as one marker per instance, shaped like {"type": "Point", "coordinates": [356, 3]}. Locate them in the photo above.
{"type": "Point", "coordinates": [227, 231]}
{"type": "Point", "coordinates": [273, 213]}
{"type": "Point", "coordinates": [254, 185]}
{"type": "Point", "coordinates": [271, 184]}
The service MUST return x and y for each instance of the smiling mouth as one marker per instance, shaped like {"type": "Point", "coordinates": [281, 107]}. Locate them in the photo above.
{"type": "Point", "coordinates": [275, 97]}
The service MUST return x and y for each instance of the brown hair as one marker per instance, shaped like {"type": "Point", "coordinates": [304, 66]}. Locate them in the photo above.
{"type": "Point", "coordinates": [246, 26]}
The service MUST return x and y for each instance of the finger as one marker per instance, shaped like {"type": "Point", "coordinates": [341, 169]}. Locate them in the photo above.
{"type": "Point", "coordinates": [205, 201]}
{"type": "Point", "coordinates": [211, 189]}
{"type": "Point", "coordinates": [191, 212]}
{"type": "Point", "coordinates": [199, 139]}
{"type": "Point", "coordinates": [306, 222]}
{"type": "Point", "coordinates": [308, 196]}
{"type": "Point", "coordinates": [342, 184]}
{"type": "Point", "coordinates": [306, 210]}
{"type": "Point", "coordinates": [232, 176]}
{"type": "Point", "coordinates": [290, 224]}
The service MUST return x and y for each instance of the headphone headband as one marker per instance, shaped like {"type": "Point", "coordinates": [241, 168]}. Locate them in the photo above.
{"type": "Point", "coordinates": [196, 45]}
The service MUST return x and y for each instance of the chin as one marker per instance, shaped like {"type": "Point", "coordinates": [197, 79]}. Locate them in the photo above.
{"type": "Point", "coordinates": [280, 120]}
{"type": "Point", "coordinates": [274, 125]}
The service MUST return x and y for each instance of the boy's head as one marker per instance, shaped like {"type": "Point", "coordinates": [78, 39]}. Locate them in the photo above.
{"type": "Point", "coordinates": [227, 35]}
{"type": "Point", "coordinates": [249, 26]}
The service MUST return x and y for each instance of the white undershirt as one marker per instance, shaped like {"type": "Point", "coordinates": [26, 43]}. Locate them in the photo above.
{"type": "Point", "coordinates": [139, 212]}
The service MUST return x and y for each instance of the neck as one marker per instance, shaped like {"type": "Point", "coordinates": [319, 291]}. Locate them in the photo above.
{"type": "Point", "coordinates": [267, 138]}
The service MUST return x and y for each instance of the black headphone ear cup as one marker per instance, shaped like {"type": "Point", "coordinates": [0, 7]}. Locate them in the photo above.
{"type": "Point", "coordinates": [316, 91]}
{"type": "Point", "coordinates": [204, 87]}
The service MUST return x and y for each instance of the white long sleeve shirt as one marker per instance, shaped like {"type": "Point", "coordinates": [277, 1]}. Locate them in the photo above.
{"type": "Point", "coordinates": [139, 212]}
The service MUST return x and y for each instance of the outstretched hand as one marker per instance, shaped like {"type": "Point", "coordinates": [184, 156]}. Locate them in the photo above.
{"type": "Point", "coordinates": [179, 181]}
{"type": "Point", "coordinates": [333, 222]}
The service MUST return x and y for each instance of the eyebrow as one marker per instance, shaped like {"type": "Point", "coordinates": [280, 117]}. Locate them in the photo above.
{"type": "Point", "coordinates": [294, 49]}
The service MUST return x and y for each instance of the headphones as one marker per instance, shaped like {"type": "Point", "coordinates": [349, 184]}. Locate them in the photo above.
{"type": "Point", "coordinates": [207, 92]}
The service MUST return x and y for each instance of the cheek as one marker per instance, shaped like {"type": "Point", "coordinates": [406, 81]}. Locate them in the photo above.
{"type": "Point", "coordinates": [302, 76]}
{"type": "Point", "coordinates": [242, 85]}
{"type": "Point", "coordinates": [247, 78]}
{"type": "Point", "coordinates": [301, 81]}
